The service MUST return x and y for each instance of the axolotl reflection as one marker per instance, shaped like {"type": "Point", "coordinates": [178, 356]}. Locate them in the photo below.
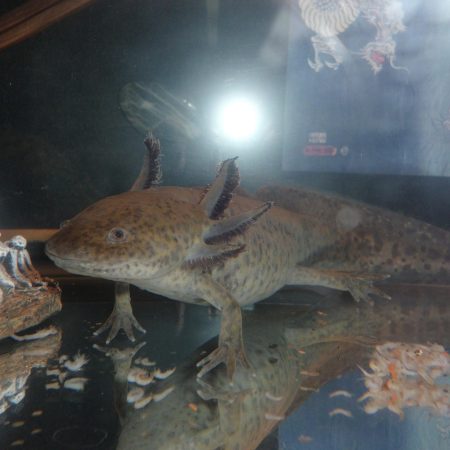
{"type": "Point", "coordinates": [293, 353]}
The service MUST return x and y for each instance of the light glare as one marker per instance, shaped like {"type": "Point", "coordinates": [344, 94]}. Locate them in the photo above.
{"type": "Point", "coordinates": [238, 120]}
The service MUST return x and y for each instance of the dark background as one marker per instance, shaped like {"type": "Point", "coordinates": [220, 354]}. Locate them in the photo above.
{"type": "Point", "coordinates": [65, 142]}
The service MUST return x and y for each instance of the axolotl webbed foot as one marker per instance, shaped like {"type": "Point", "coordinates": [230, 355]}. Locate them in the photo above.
{"type": "Point", "coordinates": [223, 354]}
{"type": "Point", "coordinates": [120, 321]}
{"type": "Point", "coordinates": [361, 286]}
{"type": "Point", "coordinates": [225, 393]}
{"type": "Point", "coordinates": [122, 315]}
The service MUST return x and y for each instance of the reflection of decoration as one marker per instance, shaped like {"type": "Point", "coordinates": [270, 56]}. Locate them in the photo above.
{"type": "Point", "coordinates": [62, 373]}
{"type": "Point", "coordinates": [26, 299]}
{"type": "Point", "coordinates": [329, 18]}
{"type": "Point", "coordinates": [138, 374]}
{"type": "Point", "coordinates": [16, 365]}
{"type": "Point", "coordinates": [406, 375]}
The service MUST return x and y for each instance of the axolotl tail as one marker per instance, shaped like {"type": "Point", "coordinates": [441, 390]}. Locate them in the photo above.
{"type": "Point", "coordinates": [370, 239]}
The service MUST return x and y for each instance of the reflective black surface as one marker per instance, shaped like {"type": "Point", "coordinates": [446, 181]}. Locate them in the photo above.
{"type": "Point", "coordinates": [303, 346]}
{"type": "Point", "coordinates": [66, 141]}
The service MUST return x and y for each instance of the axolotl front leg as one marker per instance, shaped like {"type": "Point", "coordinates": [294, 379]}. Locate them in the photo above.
{"type": "Point", "coordinates": [122, 315]}
{"type": "Point", "coordinates": [231, 347]}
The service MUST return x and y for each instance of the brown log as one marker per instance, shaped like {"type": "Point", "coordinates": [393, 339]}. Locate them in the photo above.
{"type": "Point", "coordinates": [33, 17]}
{"type": "Point", "coordinates": [30, 234]}
{"type": "Point", "coordinates": [26, 308]}
{"type": "Point", "coordinates": [23, 13]}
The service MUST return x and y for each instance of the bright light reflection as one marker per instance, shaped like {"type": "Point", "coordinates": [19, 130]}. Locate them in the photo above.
{"type": "Point", "coordinates": [238, 120]}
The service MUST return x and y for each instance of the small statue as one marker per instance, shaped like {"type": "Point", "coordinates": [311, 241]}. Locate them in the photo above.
{"type": "Point", "coordinates": [16, 269]}
{"type": "Point", "coordinates": [18, 263]}
{"type": "Point", "coordinates": [7, 285]}
{"type": "Point", "coordinates": [26, 299]}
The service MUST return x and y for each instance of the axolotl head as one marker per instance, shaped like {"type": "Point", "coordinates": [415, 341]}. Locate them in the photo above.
{"type": "Point", "coordinates": [141, 235]}
{"type": "Point", "coordinates": [135, 235]}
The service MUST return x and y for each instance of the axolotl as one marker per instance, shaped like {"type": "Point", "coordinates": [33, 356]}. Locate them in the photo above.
{"type": "Point", "coordinates": [213, 247]}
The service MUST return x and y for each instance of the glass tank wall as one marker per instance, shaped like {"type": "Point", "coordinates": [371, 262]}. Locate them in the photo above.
{"type": "Point", "coordinates": [338, 111]}
{"type": "Point", "coordinates": [79, 96]}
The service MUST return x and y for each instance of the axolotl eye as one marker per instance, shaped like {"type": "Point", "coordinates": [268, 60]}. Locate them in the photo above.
{"type": "Point", "coordinates": [117, 235]}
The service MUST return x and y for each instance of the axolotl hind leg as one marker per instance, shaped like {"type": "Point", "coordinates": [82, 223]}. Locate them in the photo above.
{"type": "Point", "coordinates": [360, 285]}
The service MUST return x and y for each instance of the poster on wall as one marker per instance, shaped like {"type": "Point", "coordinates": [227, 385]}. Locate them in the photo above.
{"type": "Point", "coordinates": [368, 87]}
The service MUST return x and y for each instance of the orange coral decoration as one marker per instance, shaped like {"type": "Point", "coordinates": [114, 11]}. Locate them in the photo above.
{"type": "Point", "coordinates": [405, 375]}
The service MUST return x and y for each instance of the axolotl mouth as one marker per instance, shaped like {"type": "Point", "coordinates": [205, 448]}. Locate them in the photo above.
{"type": "Point", "coordinates": [114, 271]}
{"type": "Point", "coordinates": [81, 266]}
{"type": "Point", "coordinates": [74, 265]}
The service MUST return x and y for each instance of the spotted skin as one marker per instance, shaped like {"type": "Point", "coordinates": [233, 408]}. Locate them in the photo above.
{"type": "Point", "coordinates": [160, 229]}
{"type": "Point", "coordinates": [370, 239]}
